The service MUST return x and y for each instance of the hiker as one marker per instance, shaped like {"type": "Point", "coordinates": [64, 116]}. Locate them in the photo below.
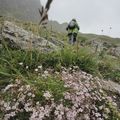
{"type": "Point", "coordinates": [72, 29]}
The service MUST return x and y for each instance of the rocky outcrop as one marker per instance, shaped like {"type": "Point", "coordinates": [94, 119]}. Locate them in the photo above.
{"type": "Point", "coordinates": [18, 38]}
{"type": "Point", "coordinates": [115, 51]}
{"type": "Point", "coordinates": [110, 86]}
{"type": "Point", "coordinates": [118, 51]}
{"type": "Point", "coordinates": [99, 46]}
{"type": "Point", "coordinates": [26, 10]}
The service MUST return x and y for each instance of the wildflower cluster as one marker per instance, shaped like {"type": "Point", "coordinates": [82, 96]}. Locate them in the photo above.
{"type": "Point", "coordinates": [84, 100]}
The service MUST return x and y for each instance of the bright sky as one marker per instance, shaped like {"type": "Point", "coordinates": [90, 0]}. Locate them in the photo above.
{"type": "Point", "coordinates": [92, 15]}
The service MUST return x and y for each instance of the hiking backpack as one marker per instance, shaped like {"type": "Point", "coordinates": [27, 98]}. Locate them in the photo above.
{"type": "Point", "coordinates": [72, 25]}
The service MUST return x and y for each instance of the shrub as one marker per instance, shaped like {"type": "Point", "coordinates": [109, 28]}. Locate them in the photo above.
{"type": "Point", "coordinates": [69, 56]}
{"type": "Point", "coordinates": [109, 68]}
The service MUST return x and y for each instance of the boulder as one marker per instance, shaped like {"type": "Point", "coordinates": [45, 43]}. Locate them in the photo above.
{"type": "Point", "coordinates": [115, 51]}
{"type": "Point", "coordinates": [18, 38]}
{"type": "Point", "coordinates": [110, 86]}
{"type": "Point", "coordinates": [118, 51]}
{"type": "Point", "coordinates": [97, 45]}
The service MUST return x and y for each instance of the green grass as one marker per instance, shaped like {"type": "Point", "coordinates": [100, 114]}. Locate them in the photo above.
{"type": "Point", "coordinates": [69, 56]}
{"type": "Point", "coordinates": [100, 38]}
{"type": "Point", "coordinates": [52, 84]}
{"type": "Point", "coordinates": [109, 68]}
{"type": "Point", "coordinates": [83, 57]}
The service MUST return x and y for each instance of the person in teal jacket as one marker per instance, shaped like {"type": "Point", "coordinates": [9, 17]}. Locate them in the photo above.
{"type": "Point", "coordinates": [73, 30]}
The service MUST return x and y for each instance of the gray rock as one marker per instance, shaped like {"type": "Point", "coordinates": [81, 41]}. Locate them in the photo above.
{"type": "Point", "coordinates": [115, 51]}
{"type": "Point", "coordinates": [56, 42]}
{"type": "Point", "coordinates": [110, 86]}
{"type": "Point", "coordinates": [118, 51]}
{"type": "Point", "coordinates": [97, 45]}
{"type": "Point", "coordinates": [26, 10]}
{"type": "Point", "coordinates": [19, 38]}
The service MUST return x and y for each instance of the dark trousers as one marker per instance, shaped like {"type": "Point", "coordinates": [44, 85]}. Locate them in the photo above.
{"type": "Point", "coordinates": [72, 38]}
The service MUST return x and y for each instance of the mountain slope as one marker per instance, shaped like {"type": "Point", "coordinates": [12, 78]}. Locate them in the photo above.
{"type": "Point", "coordinates": [57, 26]}
{"type": "Point", "coordinates": [56, 85]}
{"type": "Point", "coordinates": [22, 9]}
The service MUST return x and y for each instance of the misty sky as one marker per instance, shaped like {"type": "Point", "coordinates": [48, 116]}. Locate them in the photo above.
{"type": "Point", "coordinates": [92, 15]}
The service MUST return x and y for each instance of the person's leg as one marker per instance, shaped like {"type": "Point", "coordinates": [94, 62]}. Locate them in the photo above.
{"type": "Point", "coordinates": [70, 38]}
{"type": "Point", "coordinates": [75, 36]}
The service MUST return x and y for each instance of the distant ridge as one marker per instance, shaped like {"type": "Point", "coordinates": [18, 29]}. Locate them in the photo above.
{"type": "Point", "coordinates": [21, 9]}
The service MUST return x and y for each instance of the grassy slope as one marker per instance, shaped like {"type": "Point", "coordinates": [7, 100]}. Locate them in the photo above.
{"type": "Point", "coordinates": [58, 30]}
{"type": "Point", "coordinates": [101, 38]}
{"type": "Point", "coordinates": [23, 65]}
{"type": "Point", "coordinates": [21, 9]}
{"type": "Point", "coordinates": [83, 57]}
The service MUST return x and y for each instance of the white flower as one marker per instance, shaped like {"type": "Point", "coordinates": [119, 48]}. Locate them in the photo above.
{"type": "Point", "coordinates": [86, 117]}
{"type": "Point", "coordinates": [66, 86]}
{"type": "Point", "coordinates": [114, 104]}
{"type": "Point", "coordinates": [21, 63]}
{"type": "Point", "coordinates": [27, 67]}
{"type": "Point", "coordinates": [107, 110]}
{"type": "Point", "coordinates": [109, 99]}
{"type": "Point", "coordinates": [71, 115]}
{"type": "Point", "coordinates": [75, 67]}
{"type": "Point", "coordinates": [47, 95]}
{"type": "Point", "coordinates": [44, 76]}
{"type": "Point", "coordinates": [114, 97]}
{"type": "Point", "coordinates": [29, 94]}
{"type": "Point", "coordinates": [12, 114]}
{"type": "Point", "coordinates": [40, 67]}
{"type": "Point", "coordinates": [27, 104]}
{"type": "Point", "coordinates": [80, 110]}
{"type": "Point", "coordinates": [21, 89]}
{"type": "Point", "coordinates": [105, 115]}
{"type": "Point", "coordinates": [67, 96]}
{"type": "Point", "coordinates": [57, 73]}
{"type": "Point", "coordinates": [100, 107]}
{"type": "Point", "coordinates": [28, 87]}
{"type": "Point", "coordinates": [8, 87]}
{"type": "Point", "coordinates": [13, 107]}
{"type": "Point", "coordinates": [63, 72]}
{"type": "Point", "coordinates": [56, 112]}
{"type": "Point", "coordinates": [36, 70]}
{"type": "Point", "coordinates": [99, 119]}
{"type": "Point", "coordinates": [33, 95]}
{"type": "Point", "coordinates": [22, 98]}
{"type": "Point", "coordinates": [101, 91]}
{"type": "Point", "coordinates": [6, 105]}
{"type": "Point", "coordinates": [2, 102]}
{"type": "Point", "coordinates": [42, 108]}
{"type": "Point", "coordinates": [46, 72]}
{"type": "Point", "coordinates": [97, 114]}
{"type": "Point", "coordinates": [17, 81]}
{"type": "Point", "coordinates": [87, 94]}
{"type": "Point", "coordinates": [7, 117]}
{"type": "Point", "coordinates": [8, 108]}
{"type": "Point", "coordinates": [37, 103]}
{"type": "Point", "coordinates": [70, 68]}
